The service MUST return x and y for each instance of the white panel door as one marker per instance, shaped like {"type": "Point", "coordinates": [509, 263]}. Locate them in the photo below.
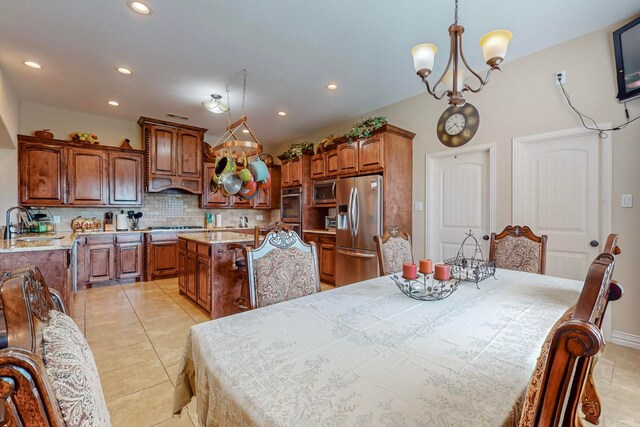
{"type": "Point", "coordinates": [558, 193]}
{"type": "Point", "coordinates": [460, 202]}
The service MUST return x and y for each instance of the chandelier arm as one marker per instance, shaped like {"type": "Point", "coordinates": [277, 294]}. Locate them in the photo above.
{"type": "Point", "coordinates": [466, 64]}
{"type": "Point", "coordinates": [482, 82]}
{"type": "Point", "coordinates": [446, 69]}
{"type": "Point", "coordinates": [432, 92]}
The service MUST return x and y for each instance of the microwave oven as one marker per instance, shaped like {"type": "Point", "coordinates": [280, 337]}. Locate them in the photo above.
{"type": "Point", "coordinates": [324, 192]}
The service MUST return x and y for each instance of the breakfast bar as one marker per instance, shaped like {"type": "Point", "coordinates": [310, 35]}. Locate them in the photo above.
{"type": "Point", "coordinates": [207, 271]}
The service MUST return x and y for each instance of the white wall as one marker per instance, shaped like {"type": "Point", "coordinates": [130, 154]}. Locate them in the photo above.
{"type": "Point", "coordinates": [523, 100]}
{"type": "Point", "coordinates": [9, 122]}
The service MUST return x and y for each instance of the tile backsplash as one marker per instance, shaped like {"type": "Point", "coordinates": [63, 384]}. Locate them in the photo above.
{"type": "Point", "coordinates": [162, 209]}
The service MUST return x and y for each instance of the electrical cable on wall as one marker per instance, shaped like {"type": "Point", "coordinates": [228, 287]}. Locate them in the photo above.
{"type": "Point", "coordinates": [601, 132]}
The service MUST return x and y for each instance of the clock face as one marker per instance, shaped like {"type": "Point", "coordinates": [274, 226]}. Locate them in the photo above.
{"type": "Point", "coordinates": [458, 125]}
{"type": "Point", "coordinates": [455, 124]}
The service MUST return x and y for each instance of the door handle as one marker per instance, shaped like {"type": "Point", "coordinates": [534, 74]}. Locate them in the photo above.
{"type": "Point", "coordinates": [485, 237]}
{"type": "Point", "coordinates": [594, 243]}
{"type": "Point", "coordinates": [356, 254]}
{"type": "Point", "coordinates": [356, 202]}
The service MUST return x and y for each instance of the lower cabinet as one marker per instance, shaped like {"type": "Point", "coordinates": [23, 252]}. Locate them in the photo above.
{"type": "Point", "coordinates": [326, 247]}
{"type": "Point", "coordinates": [110, 257]}
{"type": "Point", "coordinates": [161, 252]}
{"type": "Point", "coordinates": [194, 278]}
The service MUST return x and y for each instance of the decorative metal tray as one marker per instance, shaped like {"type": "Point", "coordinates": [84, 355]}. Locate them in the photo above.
{"type": "Point", "coordinates": [474, 269]}
{"type": "Point", "coordinates": [426, 288]}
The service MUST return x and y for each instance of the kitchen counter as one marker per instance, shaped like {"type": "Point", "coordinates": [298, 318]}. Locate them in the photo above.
{"type": "Point", "coordinates": [320, 231]}
{"type": "Point", "coordinates": [62, 241]}
{"type": "Point", "coordinates": [211, 238]}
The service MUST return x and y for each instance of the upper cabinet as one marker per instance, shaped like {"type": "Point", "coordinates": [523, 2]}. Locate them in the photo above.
{"type": "Point", "coordinates": [63, 173]}
{"type": "Point", "coordinates": [292, 171]}
{"type": "Point", "coordinates": [173, 156]}
{"type": "Point", "coordinates": [325, 164]}
{"type": "Point", "coordinates": [348, 158]}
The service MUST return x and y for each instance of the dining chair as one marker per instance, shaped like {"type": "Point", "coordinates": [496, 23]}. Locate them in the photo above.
{"type": "Point", "coordinates": [559, 380]}
{"type": "Point", "coordinates": [282, 268]}
{"type": "Point", "coordinates": [239, 258]}
{"type": "Point", "coordinates": [394, 249]}
{"type": "Point", "coordinates": [518, 248]}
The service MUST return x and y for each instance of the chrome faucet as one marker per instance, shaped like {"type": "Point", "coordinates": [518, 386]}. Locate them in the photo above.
{"type": "Point", "coordinates": [7, 230]}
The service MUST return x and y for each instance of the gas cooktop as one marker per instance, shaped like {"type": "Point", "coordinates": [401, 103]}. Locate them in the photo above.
{"type": "Point", "coordinates": [177, 227]}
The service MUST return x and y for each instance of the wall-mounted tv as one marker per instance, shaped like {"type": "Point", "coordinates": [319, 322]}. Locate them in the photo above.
{"type": "Point", "coordinates": [626, 43]}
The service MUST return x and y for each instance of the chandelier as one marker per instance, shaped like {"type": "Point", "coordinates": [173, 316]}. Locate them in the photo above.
{"type": "Point", "coordinates": [215, 104]}
{"type": "Point", "coordinates": [494, 47]}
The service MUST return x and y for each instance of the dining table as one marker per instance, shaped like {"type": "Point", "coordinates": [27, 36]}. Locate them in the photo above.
{"type": "Point", "coordinates": [368, 355]}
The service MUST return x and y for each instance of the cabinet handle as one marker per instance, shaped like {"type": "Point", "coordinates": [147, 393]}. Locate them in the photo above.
{"type": "Point", "coordinates": [220, 251]}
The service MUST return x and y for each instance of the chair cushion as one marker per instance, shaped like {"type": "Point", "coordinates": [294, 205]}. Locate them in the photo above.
{"type": "Point", "coordinates": [285, 274]}
{"type": "Point", "coordinates": [395, 252]}
{"type": "Point", "coordinates": [518, 253]}
{"type": "Point", "coordinates": [73, 373]}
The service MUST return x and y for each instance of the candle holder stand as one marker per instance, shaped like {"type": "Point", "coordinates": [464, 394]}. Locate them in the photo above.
{"type": "Point", "coordinates": [426, 287]}
{"type": "Point", "coordinates": [471, 269]}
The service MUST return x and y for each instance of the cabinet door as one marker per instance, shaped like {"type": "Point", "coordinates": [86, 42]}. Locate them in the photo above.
{"type": "Point", "coordinates": [318, 166]}
{"type": "Point", "coordinates": [240, 203]}
{"type": "Point", "coordinates": [129, 260]}
{"type": "Point", "coordinates": [286, 173]}
{"type": "Point", "coordinates": [164, 258]}
{"type": "Point", "coordinates": [189, 153]}
{"type": "Point", "coordinates": [182, 270]}
{"type": "Point", "coordinates": [42, 177]}
{"type": "Point", "coordinates": [295, 171]}
{"type": "Point", "coordinates": [371, 154]}
{"type": "Point", "coordinates": [125, 179]}
{"type": "Point", "coordinates": [327, 262]}
{"type": "Point", "coordinates": [203, 275]}
{"type": "Point", "coordinates": [100, 262]}
{"type": "Point", "coordinates": [263, 199]}
{"type": "Point", "coordinates": [162, 150]}
{"type": "Point", "coordinates": [88, 177]}
{"type": "Point", "coordinates": [209, 199]}
{"type": "Point", "coordinates": [348, 158]}
{"type": "Point", "coordinates": [331, 163]}
{"type": "Point", "coordinates": [190, 288]}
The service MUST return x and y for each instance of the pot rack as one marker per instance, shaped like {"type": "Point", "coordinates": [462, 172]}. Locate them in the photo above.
{"type": "Point", "coordinates": [230, 145]}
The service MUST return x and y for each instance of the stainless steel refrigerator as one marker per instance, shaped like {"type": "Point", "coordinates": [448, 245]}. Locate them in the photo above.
{"type": "Point", "coordinates": [359, 218]}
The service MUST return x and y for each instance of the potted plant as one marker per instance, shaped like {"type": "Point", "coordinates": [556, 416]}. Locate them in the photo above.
{"type": "Point", "coordinates": [366, 127]}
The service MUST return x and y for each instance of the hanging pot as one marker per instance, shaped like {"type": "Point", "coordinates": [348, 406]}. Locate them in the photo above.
{"type": "Point", "coordinates": [230, 182]}
{"type": "Point", "coordinates": [263, 185]}
{"type": "Point", "coordinates": [259, 169]}
{"type": "Point", "coordinates": [213, 185]}
{"type": "Point", "coordinates": [248, 189]}
{"type": "Point", "coordinates": [225, 164]}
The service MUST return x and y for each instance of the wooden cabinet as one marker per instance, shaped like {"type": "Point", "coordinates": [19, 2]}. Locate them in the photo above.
{"type": "Point", "coordinates": [240, 203]}
{"type": "Point", "coordinates": [326, 246]}
{"type": "Point", "coordinates": [202, 274]}
{"type": "Point", "coordinates": [182, 270]}
{"type": "Point", "coordinates": [191, 266]}
{"type": "Point", "coordinates": [318, 166]}
{"type": "Point", "coordinates": [371, 154]}
{"type": "Point", "coordinates": [292, 172]}
{"type": "Point", "coordinates": [65, 173]}
{"type": "Point", "coordinates": [88, 177]}
{"type": "Point", "coordinates": [269, 198]}
{"type": "Point", "coordinates": [111, 257]}
{"type": "Point", "coordinates": [42, 174]}
{"type": "Point", "coordinates": [173, 155]}
{"type": "Point", "coordinates": [163, 258]}
{"type": "Point", "coordinates": [348, 158]}
{"type": "Point", "coordinates": [331, 162]}
{"type": "Point", "coordinates": [125, 179]}
{"type": "Point", "coordinates": [210, 199]}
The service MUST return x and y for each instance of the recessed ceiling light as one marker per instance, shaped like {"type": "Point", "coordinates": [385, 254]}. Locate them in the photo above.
{"type": "Point", "coordinates": [32, 64]}
{"type": "Point", "coordinates": [332, 86]}
{"type": "Point", "coordinates": [123, 70]}
{"type": "Point", "coordinates": [140, 7]}
{"type": "Point", "coordinates": [245, 130]}
{"type": "Point", "coordinates": [114, 103]}
{"type": "Point", "coordinates": [282, 113]}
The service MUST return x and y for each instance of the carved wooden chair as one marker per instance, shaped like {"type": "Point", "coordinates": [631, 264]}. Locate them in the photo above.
{"type": "Point", "coordinates": [517, 248]}
{"type": "Point", "coordinates": [394, 249]}
{"type": "Point", "coordinates": [560, 379]}
{"type": "Point", "coordinates": [282, 268]}
{"type": "Point", "coordinates": [239, 260]}
{"type": "Point", "coordinates": [67, 391]}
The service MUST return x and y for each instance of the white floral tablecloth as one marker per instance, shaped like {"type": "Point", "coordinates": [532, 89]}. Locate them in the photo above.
{"type": "Point", "coordinates": [367, 355]}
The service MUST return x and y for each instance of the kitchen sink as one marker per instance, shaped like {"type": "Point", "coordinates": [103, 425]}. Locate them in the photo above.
{"type": "Point", "coordinates": [36, 238]}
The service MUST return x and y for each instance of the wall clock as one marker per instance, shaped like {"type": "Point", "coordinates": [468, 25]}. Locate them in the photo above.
{"type": "Point", "coordinates": [458, 125]}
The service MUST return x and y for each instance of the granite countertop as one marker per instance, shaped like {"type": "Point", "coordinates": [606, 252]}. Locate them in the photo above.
{"type": "Point", "coordinates": [320, 231]}
{"type": "Point", "coordinates": [217, 237]}
{"type": "Point", "coordinates": [62, 240]}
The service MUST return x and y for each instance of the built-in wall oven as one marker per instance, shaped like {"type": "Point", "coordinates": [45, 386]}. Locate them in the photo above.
{"type": "Point", "coordinates": [291, 208]}
{"type": "Point", "coordinates": [324, 193]}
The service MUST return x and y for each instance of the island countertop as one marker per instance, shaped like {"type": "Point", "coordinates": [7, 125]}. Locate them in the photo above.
{"type": "Point", "coordinates": [217, 237]}
{"type": "Point", "coordinates": [38, 242]}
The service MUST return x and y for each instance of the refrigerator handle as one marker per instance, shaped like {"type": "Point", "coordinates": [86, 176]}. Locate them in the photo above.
{"type": "Point", "coordinates": [350, 212]}
{"type": "Point", "coordinates": [356, 204]}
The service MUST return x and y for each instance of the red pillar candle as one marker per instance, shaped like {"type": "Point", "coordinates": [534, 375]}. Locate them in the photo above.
{"type": "Point", "coordinates": [442, 272]}
{"type": "Point", "coordinates": [409, 271]}
{"type": "Point", "coordinates": [426, 266]}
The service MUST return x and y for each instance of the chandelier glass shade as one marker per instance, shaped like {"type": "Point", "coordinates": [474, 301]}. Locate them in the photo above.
{"type": "Point", "coordinates": [494, 48]}
{"type": "Point", "coordinates": [215, 105]}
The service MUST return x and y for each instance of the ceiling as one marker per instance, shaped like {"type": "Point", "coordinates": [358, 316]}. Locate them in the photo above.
{"type": "Point", "coordinates": [186, 50]}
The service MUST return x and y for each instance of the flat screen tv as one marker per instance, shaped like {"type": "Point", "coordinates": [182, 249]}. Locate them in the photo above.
{"type": "Point", "coordinates": [626, 43]}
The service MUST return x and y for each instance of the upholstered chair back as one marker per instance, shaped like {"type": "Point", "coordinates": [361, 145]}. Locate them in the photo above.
{"type": "Point", "coordinates": [282, 268]}
{"type": "Point", "coordinates": [394, 249]}
{"type": "Point", "coordinates": [517, 248]}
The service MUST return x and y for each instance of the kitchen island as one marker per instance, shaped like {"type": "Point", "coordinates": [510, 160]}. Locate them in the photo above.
{"type": "Point", "coordinates": [207, 273]}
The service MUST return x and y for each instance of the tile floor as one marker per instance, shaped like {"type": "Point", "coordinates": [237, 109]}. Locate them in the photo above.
{"type": "Point", "coordinates": [137, 332]}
